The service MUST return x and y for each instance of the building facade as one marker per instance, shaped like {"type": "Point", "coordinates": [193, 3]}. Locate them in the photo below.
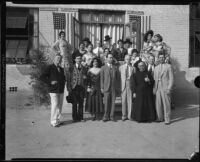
{"type": "Point", "coordinates": [39, 25]}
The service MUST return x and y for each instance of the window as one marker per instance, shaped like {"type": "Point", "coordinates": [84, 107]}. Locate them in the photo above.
{"type": "Point", "coordinates": [135, 29]}
{"type": "Point", "coordinates": [59, 22]}
{"type": "Point", "coordinates": [194, 35]}
{"type": "Point", "coordinates": [21, 34]}
{"type": "Point", "coordinates": [97, 24]}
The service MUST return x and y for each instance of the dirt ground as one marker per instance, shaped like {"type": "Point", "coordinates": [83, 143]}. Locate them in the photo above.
{"type": "Point", "coordinates": [29, 134]}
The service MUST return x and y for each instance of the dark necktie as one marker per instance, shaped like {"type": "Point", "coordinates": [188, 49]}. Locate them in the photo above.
{"type": "Point", "coordinates": [58, 69]}
{"type": "Point", "coordinates": [79, 67]}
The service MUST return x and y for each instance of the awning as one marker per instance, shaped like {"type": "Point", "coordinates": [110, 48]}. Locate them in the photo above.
{"type": "Point", "coordinates": [198, 36]}
{"type": "Point", "coordinates": [16, 22]}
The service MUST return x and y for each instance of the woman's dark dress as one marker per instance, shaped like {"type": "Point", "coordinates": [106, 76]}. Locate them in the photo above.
{"type": "Point", "coordinates": [94, 101]}
{"type": "Point", "coordinates": [143, 106]}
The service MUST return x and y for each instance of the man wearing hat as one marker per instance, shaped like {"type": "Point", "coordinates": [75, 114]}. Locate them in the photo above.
{"type": "Point", "coordinates": [127, 45]}
{"type": "Point", "coordinates": [107, 43]}
{"type": "Point", "coordinates": [120, 52]}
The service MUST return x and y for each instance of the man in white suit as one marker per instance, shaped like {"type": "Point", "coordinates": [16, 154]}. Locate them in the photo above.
{"type": "Point", "coordinates": [164, 79]}
{"type": "Point", "coordinates": [126, 71]}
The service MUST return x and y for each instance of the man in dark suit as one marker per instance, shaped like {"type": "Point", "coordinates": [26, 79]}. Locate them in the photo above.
{"type": "Point", "coordinates": [77, 88]}
{"type": "Point", "coordinates": [151, 64]}
{"type": "Point", "coordinates": [55, 78]}
{"type": "Point", "coordinates": [110, 78]}
{"type": "Point", "coordinates": [120, 52]}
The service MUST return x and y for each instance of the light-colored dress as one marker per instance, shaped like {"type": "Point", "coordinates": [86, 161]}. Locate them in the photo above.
{"type": "Point", "coordinates": [65, 50]}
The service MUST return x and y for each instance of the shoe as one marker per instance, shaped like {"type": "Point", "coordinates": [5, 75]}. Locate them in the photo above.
{"type": "Point", "coordinates": [82, 120]}
{"type": "Point", "coordinates": [93, 119]}
{"type": "Point", "coordinates": [158, 121]}
{"type": "Point", "coordinates": [124, 119]}
{"type": "Point", "coordinates": [131, 119]}
{"type": "Point", "coordinates": [112, 119]}
{"type": "Point", "coordinates": [105, 120]}
{"type": "Point", "coordinates": [167, 123]}
{"type": "Point", "coordinates": [55, 125]}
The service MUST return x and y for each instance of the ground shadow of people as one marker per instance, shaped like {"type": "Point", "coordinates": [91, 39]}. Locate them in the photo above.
{"type": "Point", "coordinates": [184, 95]}
{"type": "Point", "coordinates": [184, 112]}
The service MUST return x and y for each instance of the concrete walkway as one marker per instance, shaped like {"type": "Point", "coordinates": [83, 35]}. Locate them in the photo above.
{"type": "Point", "coordinates": [29, 135]}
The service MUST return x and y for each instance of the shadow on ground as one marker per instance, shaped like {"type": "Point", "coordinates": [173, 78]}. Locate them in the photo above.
{"type": "Point", "coordinates": [184, 112]}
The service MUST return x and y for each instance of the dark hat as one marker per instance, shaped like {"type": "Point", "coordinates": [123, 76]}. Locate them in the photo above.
{"type": "Point", "coordinates": [86, 39]}
{"type": "Point", "coordinates": [120, 40]}
{"type": "Point", "coordinates": [128, 41]}
{"type": "Point", "coordinates": [107, 37]}
{"type": "Point", "coordinates": [69, 98]}
{"type": "Point", "coordinates": [159, 36]}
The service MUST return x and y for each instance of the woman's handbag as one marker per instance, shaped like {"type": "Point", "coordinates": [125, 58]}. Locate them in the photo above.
{"type": "Point", "coordinates": [69, 98]}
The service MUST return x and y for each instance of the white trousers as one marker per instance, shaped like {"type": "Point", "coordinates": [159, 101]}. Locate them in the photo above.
{"type": "Point", "coordinates": [127, 101]}
{"type": "Point", "coordinates": [56, 107]}
{"type": "Point", "coordinates": [163, 104]}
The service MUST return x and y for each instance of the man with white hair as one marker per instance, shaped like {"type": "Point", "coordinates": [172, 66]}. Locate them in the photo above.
{"type": "Point", "coordinates": [126, 71]}
{"type": "Point", "coordinates": [98, 50]}
{"type": "Point", "coordinates": [55, 78]}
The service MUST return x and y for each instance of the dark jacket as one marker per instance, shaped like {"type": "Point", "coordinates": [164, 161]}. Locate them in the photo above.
{"type": "Point", "coordinates": [52, 74]}
{"type": "Point", "coordinates": [120, 55]}
{"type": "Point", "coordinates": [75, 74]}
{"type": "Point", "coordinates": [105, 77]}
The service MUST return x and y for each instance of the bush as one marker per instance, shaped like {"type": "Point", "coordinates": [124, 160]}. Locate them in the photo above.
{"type": "Point", "coordinates": [40, 61]}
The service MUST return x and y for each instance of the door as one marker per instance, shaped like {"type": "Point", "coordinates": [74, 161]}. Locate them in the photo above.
{"type": "Point", "coordinates": [132, 31]}
{"type": "Point", "coordinates": [76, 33]}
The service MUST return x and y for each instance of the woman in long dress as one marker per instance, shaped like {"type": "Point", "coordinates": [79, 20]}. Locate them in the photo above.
{"type": "Point", "coordinates": [94, 101]}
{"type": "Point", "coordinates": [63, 47]}
{"type": "Point", "coordinates": [143, 107]}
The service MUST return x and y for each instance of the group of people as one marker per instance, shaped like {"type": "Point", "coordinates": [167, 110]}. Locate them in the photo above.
{"type": "Point", "coordinates": [143, 79]}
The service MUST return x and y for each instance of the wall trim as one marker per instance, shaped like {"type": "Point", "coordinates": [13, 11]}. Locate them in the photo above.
{"type": "Point", "coordinates": [48, 9]}
{"type": "Point", "coordinates": [135, 12]}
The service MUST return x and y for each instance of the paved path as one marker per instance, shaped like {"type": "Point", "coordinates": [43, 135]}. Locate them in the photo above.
{"type": "Point", "coordinates": [29, 135]}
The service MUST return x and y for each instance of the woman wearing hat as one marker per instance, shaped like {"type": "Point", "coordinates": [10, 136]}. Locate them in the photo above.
{"type": "Point", "coordinates": [107, 43]}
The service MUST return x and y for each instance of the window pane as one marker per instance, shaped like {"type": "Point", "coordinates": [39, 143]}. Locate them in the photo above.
{"type": "Point", "coordinates": [35, 29]}
{"type": "Point", "coordinates": [11, 53]}
{"type": "Point", "coordinates": [21, 53]}
{"type": "Point", "coordinates": [12, 44]}
{"type": "Point", "coordinates": [23, 44]}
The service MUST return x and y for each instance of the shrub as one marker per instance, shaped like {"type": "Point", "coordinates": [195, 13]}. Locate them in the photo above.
{"type": "Point", "coordinates": [40, 61]}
